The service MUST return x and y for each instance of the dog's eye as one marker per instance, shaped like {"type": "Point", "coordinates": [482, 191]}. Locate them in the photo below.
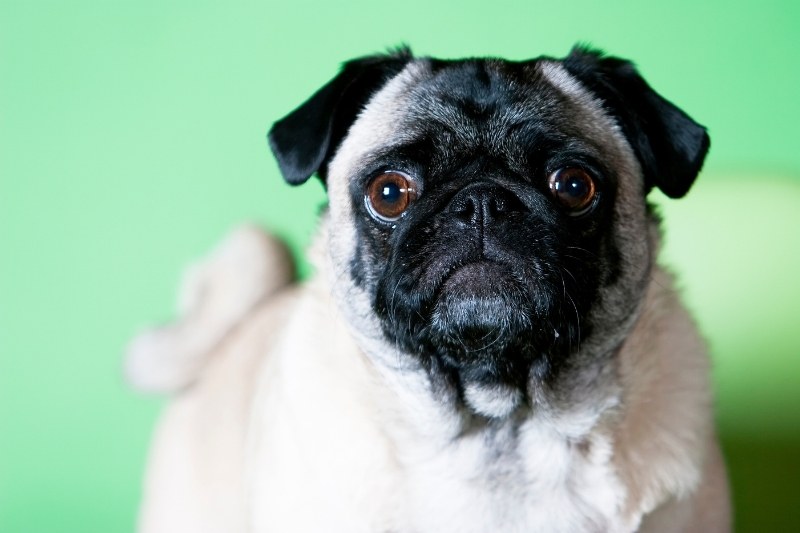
{"type": "Point", "coordinates": [574, 189]}
{"type": "Point", "coordinates": [389, 194]}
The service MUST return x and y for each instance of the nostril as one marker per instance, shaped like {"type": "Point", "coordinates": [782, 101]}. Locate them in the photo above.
{"type": "Point", "coordinates": [483, 204]}
{"type": "Point", "coordinates": [495, 206]}
{"type": "Point", "coordinates": [464, 208]}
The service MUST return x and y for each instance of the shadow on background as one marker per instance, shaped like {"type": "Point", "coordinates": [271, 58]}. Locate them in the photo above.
{"type": "Point", "coordinates": [733, 243]}
{"type": "Point", "coordinates": [765, 478]}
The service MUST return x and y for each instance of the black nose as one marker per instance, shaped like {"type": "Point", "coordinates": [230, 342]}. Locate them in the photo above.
{"type": "Point", "coordinates": [482, 204]}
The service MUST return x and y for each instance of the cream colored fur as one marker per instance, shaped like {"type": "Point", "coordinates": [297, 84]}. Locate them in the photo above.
{"type": "Point", "coordinates": [290, 427]}
{"type": "Point", "coordinates": [216, 294]}
{"type": "Point", "coordinates": [300, 416]}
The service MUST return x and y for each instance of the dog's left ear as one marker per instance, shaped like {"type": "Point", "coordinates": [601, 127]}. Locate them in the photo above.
{"type": "Point", "coordinates": [306, 139]}
{"type": "Point", "coordinates": [670, 145]}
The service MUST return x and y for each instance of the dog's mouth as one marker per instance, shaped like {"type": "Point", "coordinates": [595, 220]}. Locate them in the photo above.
{"type": "Point", "coordinates": [483, 311]}
{"type": "Point", "coordinates": [482, 278]}
{"type": "Point", "coordinates": [479, 306]}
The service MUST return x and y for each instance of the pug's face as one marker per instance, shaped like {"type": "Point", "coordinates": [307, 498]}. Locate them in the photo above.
{"type": "Point", "coordinates": [487, 218]}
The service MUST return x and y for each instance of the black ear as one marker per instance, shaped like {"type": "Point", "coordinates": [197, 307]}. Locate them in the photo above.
{"type": "Point", "coordinates": [305, 140]}
{"type": "Point", "coordinates": [670, 145]}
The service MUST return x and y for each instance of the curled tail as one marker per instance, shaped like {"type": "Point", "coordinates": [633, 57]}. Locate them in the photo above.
{"type": "Point", "coordinates": [216, 294]}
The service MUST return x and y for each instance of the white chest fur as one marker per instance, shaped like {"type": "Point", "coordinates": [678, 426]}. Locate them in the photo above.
{"type": "Point", "coordinates": [535, 480]}
{"type": "Point", "coordinates": [341, 442]}
{"type": "Point", "coordinates": [332, 438]}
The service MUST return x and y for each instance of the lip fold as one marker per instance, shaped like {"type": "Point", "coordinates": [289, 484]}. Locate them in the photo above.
{"type": "Point", "coordinates": [480, 279]}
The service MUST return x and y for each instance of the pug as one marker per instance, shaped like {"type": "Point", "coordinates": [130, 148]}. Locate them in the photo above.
{"type": "Point", "coordinates": [488, 343]}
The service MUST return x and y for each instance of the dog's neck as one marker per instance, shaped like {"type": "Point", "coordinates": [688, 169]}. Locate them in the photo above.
{"type": "Point", "coordinates": [609, 432]}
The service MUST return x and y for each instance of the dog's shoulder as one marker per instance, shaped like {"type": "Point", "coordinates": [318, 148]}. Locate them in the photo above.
{"type": "Point", "coordinates": [666, 407]}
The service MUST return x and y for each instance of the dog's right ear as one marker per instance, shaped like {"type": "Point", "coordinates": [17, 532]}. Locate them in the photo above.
{"type": "Point", "coordinates": [305, 140]}
{"type": "Point", "coordinates": [670, 145]}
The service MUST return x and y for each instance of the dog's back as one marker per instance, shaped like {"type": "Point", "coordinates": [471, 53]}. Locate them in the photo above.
{"type": "Point", "coordinates": [234, 303]}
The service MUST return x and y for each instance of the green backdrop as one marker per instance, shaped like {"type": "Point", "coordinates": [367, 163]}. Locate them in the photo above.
{"type": "Point", "coordinates": [132, 138]}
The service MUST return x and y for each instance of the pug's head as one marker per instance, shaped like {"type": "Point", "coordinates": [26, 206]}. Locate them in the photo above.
{"type": "Point", "coordinates": [488, 218]}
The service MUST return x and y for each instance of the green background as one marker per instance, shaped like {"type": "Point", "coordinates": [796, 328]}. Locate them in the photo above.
{"type": "Point", "coordinates": [132, 139]}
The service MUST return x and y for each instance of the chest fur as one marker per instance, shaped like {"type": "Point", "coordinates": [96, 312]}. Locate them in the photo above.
{"type": "Point", "coordinates": [326, 438]}
{"type": "Point", "coordinates": [533, 480]}
{"type": "Point", "coordinates": [358, 480]}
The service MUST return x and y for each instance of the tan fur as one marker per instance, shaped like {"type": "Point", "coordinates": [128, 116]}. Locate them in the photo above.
{"type": "Point", "coordinates": [666, 449]}
{"type": "Point", "coordinates": [216, 294]}
{"type": "Point", "coordinates": [255, 426]}
{"type": "Point", "coordinates": [196, 470]}
{"type": "Point", "coordinates": [303, 418]}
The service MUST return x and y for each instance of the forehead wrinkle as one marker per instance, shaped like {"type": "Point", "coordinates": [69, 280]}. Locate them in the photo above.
{"type": "Point", "coordinates": [444, 123]}
{"type": "Point", "coordinates": [516, 103]}
{"type": "Point", "coordinates": [442, 112]}
{"type": "Point", "coordinates": [540, 99]}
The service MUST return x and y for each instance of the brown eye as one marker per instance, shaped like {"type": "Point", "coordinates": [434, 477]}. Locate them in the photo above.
{"type": "Point", "coordinates": [389, 194]}
{"type": "Point", "coordinates": [574, 189]}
